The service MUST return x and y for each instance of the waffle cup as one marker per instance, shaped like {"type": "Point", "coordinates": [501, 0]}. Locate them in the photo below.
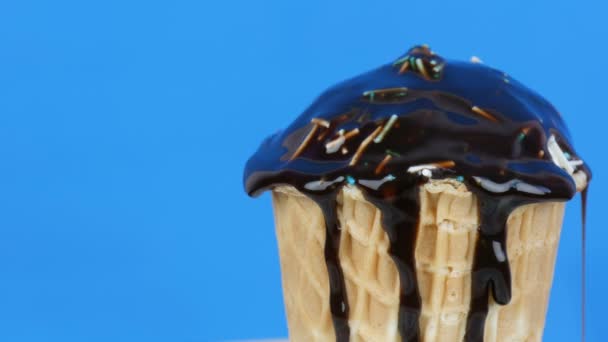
{"type": "Point", "coordinates": [447, 233]}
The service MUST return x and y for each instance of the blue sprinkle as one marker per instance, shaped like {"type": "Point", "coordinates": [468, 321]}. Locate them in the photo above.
{"type": "Point", "coordinates": [567, 155]}
{"type": "Point", "coordinates": [460, 179]}
{"type": "Point", "coordinates": [350, 180]}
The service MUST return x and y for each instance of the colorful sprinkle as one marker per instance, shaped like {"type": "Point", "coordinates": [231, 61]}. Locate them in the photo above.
{"type": "Point", "coordinates": [393, 153]}
{"type": "Point", "coordinates": [460, 179]}
{"type": "Point", "coordinates": [350, 180]}
{"type": "Point", "coordinates": [386, 128]}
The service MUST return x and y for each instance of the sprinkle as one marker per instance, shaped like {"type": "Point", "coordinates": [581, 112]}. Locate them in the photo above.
{"type": "Point", "coordinates": [404, 67]}
{"type": "Point", "coordinates": [320, 122]}
{"type": "Point", "coordinates": [476, 60]}
{"type": "Point", "coordinates": [334, 145]}
{"type": "Point", "coordinates": [557, 155]}
{"type": "Point", "coordinates": [375, 184]}
{"type": "Point", "coordinates": [541, 153]}
{"type": "Point", "coordinates": [512, 184]}
{"type": "Point", "coordinates": [305, 142]}
{"type": "Point", "coordinates": [371, 94]}
{"type": "Point", "coordinates": [567, 155]}
{"type": "Point", "coordinates": [344, 150]}
{"type": "Point", "coordinates": [446, 164]}
{"type": "Point", "coordinates": [420, 66]}
{"type": "Point", "coordinates": [401, 60]}
{"type": "Point", "coordinates": [351, 133]}
{"type": "Point", "coordinates": [521, 136]}
{"type": "Point", "coordinates": [413, 63]}
{"type": "Point", "coordinates": [417, 168]}
{"type": "Point", "coordinates": [430, 166]}
{"type": "Point", "coordinates": [427, 173]}
{"type": "Point", "coordinates": [321, 184]}
{"type": "Point", "coordinates": [576, 162]}
{"type": "Point", "coordinates": [433, 62]}
{"type": "Point", "coordinates": [387, 127]}
{"type": "Point", "coordinates": [483, 113]}
{"type": "Point", "coordinates": [393, 153]}
{"type": "Point", "coordinates": [382, 164]}
{"type": "Point", "coordinates": [363, 146]}
{"type": "Point", "coordinates": [350, 180]}
{"type": "Point", "coordinates": [460, 179]}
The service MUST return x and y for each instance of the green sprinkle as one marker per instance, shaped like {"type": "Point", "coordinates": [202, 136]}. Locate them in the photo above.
{"type": "Point", "coordinates": [393, 153]}
{"type": "Point", "coordinates": [371, 96]}
{"type": "Point", "coordinates": [350, 180]}
{"type": "Point", "coordinates": [521, 136]}
{"type": "Point", "coordinates": [460, 179]}
{"type": "Point", "coordinates": [401, 60]}
{"type": "Point", "coordinates": [413, 63]}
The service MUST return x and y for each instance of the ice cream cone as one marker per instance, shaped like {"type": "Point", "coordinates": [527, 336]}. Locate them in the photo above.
{"type": "Point", "coordinates": [445, 248]}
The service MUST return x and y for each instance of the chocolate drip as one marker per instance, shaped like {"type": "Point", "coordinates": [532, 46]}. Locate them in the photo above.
{"type": "Point", "coordinates": [583, 260]}
{"type": "Point", "coordinates": [337, 288]}
{"type": "Point", "coordinates": [491, 273]}
{"type": "Point", "coordinates": [400, 208]}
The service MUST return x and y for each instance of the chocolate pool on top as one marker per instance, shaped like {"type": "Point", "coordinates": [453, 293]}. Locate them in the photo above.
{"type": "Point", "coordinates": [420, 117]}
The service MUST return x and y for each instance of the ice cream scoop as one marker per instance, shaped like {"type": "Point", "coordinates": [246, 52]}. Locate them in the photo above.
{"type": "Point", "coordinates": [392, 132]}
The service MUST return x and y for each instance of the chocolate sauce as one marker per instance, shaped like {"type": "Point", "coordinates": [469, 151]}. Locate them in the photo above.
{"type": "Point", "coordinates": [338, 302]}
{"type": "Point", "coordinates": [583, 260]}
{"type": "Point", "coordinates": [392, 129]}
{"type": "Point", "coordinates": [400, 207]}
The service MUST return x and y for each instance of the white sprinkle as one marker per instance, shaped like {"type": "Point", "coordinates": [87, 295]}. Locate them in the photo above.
{"type": "Point", "coordinates": [375, 184]}
{"type": "Point", "coordinates": [514, 183]}
{"type": "Point", "coordinates": [334, 145]}
{"type": "Point", "coordinates": [417, 168]}
{"type": "Point", "coordinates": [386, 128]}
{"type": "Point", "coordinates": [500, 254]}
{"type": "Point", "coordinates": [476, 60]}
{"type": "Point", "coordinates": [427, 173]}
{"type": "Point", "coordinates": [421, 67]}
{"type": "Point", "coordinates": [576, 162]}
{"type": "Point", "coordinates": [321, 185]}
{"type": "Point", "coordinates": [344, 150]}
{"type": "Point", "coordinates": [531, 189]}
{"type": "Point", "coordinates": [558, 156]}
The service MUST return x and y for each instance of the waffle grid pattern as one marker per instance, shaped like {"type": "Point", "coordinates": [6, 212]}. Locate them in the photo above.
{"type": "Point", "coordinates": [444, 254]}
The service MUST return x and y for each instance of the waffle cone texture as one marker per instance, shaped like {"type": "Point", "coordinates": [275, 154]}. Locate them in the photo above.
{"type": "Point", "coordinates": [447, 234]}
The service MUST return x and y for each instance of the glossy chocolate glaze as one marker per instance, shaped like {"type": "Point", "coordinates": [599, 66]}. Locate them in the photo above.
{"type": "Point", "coordinates": [458, 120]}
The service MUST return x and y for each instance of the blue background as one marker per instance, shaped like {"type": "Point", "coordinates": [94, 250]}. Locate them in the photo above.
{"type": "Point", "coordinates": [125, 125]}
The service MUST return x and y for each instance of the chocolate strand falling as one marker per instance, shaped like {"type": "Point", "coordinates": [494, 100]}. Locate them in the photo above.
{"type": "Point", "coordinates": [583, 260]}
{"type": "Point", "coordinates": [338, 301]}
{"type": "Point", "coordinates": [399, 204]}
{"type": "Point", "coordinates": [491, 272]}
